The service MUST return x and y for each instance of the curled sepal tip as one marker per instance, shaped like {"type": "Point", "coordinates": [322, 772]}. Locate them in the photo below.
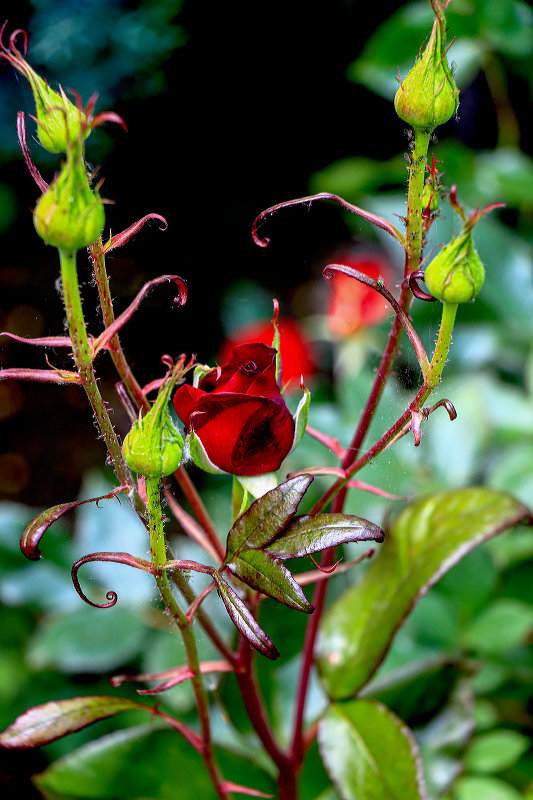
{"type": "Point", "coordinates": [120, 239]}
{"type": "Point", "coordinates": [117, 558]}
{"type": "Point", "coordinates": [33, 533]}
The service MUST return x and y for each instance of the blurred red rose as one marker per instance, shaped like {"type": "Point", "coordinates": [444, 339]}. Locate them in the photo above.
{"type": "Point", "coordinates": [353, 305]}
{"type": "Point", "coordinates": [297, 356]}
{"type": "Point", "coordinates": [238, 414]}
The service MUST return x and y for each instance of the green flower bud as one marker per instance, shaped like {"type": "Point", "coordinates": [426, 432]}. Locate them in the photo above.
{"type": "Point", "coordinates": [69, 215]}
{"type": "Point", "coordinates": [59, 123]}
{"type": "Point", "coordinates": [428, 96]}
{"type": "Point", "coordinates": [456, 274]}
{"type": "Point", "coordinates": [154, 446]}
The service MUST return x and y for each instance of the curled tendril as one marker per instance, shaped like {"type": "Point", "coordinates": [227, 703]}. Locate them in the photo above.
{"type": "Point", "coordinates": [119, 558]}
{"type": "Point", "coordinates": [375, 219]}
{"type": "Point", "coordinates": [415, 288]}
{"type": "Point", "coordinates": [447, 404]}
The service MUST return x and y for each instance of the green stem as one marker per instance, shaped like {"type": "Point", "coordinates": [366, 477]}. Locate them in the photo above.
{"type": "Point", "coordinates": [413, 226]}
{"type": "Point", "coordinates": [159, 560]}
{"type": "Point", "coordinates": [81, 351]}
{"type": "Point", "coordinates": [442, 348]}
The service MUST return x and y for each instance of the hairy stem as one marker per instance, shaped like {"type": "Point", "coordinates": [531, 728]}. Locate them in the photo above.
{"type": "Point", "coordinates": [82, 355]}
{"type": "Point", "coordinates": [413, 254]}
{"type": "Point", "coordinates": [159, 560]}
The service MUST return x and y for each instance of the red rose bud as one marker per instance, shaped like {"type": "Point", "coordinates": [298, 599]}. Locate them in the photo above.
{"type": "Point", "coordinates": [237, 416]}
{"type": "Point", "coordinates": [352, 304]}
{"type": "Point", "coordinates": [59, 122]}
{"type": "Point", "coordinates": [428, 96]}
{"type": "Point", "coordinates": [69, 215]}
{"type": "Point", "coordinates": [297, 357]}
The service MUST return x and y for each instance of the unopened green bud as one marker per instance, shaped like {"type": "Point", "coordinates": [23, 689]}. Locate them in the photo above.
{"type": "Point", "coordinates": [59, 123]}
{"type": "Point", "coordinates": [154, 446]}
{"type": "Point", "coordinates": [456, 274]}
{"type": "Point", "coordinates": [428, 96]}
{"type": "Point", "coordinates": [69, 215]}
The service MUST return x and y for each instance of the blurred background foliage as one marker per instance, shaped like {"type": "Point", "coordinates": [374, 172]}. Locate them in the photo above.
{"type": "Point", "coordinates": [229, 113]}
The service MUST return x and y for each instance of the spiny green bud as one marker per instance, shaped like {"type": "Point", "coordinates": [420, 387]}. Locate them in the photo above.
{"type": "Point", "coordinates": [69, 215]}
{"type": "Point", "coordinates": [456, 274]}
{"type": "Point", "coordinates": [154, 446]}
{"type": "Point", "coordinates": [59, 123]}
{"type": "Point", "coordinates": [430, 196]}
{"type": "Point", "coordinates": [428, 96]}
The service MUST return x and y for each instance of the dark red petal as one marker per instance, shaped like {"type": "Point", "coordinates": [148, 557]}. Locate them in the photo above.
{"type": "Point", "coordinates": [256, 352]}
{"type": "Point", "coordinates": [185, 400]}
{"type": "Point", "coordinates": [244, 435]}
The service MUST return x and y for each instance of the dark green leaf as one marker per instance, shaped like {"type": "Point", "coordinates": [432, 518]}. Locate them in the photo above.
{"type": "Point", "coordinates": [369, 753]}
{"type": "Point", "coordinates": [130, 764]}
{"type": "Point", "coordinates": [267, 516]}
{"type": "Point", "coordinates": [43, 724]}
{"type": "Point", "coordinates": [306, 535]}
{"type": "Point", "coordinates": [496, 751]}
{"type": "Point", "coordinates": [244, 620]}
{"type": "Point", "coordinates": [427, 539]}
{"type": "Point", "coordinates": [268, 575]}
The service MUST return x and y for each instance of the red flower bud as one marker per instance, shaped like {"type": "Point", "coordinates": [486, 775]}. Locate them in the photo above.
{"type": "Point", "coordinates": [352, 304]}
{"type": "Point", "coordinates": [297, 357]}
{"type": "Point", "coordinates": [238, 414]}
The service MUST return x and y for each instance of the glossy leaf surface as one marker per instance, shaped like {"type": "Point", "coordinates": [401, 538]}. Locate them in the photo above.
{"type": "Point", "coordinates": [369, 753]}
{"type": "Point", "coordinates": [244, 620]}
{"type": "Point", "coordinates": [43, 724]}
{"type": "Point", "coordinates": [268, 575]}
{"type": "Point", "coordinates": [306, 535]}
{"type": "Point", "coordinates": [427, 539]}
{"type": "Point", "coordinates": [267, 516]}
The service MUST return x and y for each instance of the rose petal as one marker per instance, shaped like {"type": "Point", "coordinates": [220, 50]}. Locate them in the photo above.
{"type": "Point", "coordinates": [226, 378]}
{"type": "Point", "coordinates": [243, 435]}
{"type": "Point", "coordinates": [185, 400]}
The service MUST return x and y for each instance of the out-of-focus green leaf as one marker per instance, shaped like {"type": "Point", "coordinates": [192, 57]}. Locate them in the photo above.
{"type": "Point", "coordinates": [495, 751]}
{"type": "Point", "coordinates": [506, 174]}
{"type": "Point", "coordinates": [268, 575]}
{"type": "Point", "coordinates": [305, 535]}
{"type": "Point", "coordinates": [267, 516]}
{"type": "Point", "coordinates": [428, 538]}
{"type": "Point", "coordinates": [139, 762]}
{"type": "Point", "coordinates": [244, 620]}
{"type": "Point", "coordinates": [43, 724]}
{"type": "Point", "coordinates": [504, 624]}
{"type": "Point", "coordinates": [474, 788]}
{"type": "Point", "coordinates": [369, 753]}
{"type": "Point", "coordinates": [87, 640]}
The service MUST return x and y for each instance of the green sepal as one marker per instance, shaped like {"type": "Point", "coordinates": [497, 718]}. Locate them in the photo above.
{"type": "Point", "coordinates": [196, 452]}
{"type": "Point", "coordinates": [300, 418]}
{"type": "Point", "coordinates": [258, 485]}
{"type": "Point", "coordinates": [200, 371]}
{"type": "Point", "coordinates": [456, 274]}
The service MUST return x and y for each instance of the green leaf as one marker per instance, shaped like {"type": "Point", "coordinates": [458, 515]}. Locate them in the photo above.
{"type": "Point", "coordinates": [369, 754]}
{"type": "Point", "coordinates": [504, 624]}
{"type": "Point", "coordinates": [87, 640]}
{"type": "Point", "coordinates": [495, 751]}
{"type": "Point", "coordinates": [243, 619]}
{"type": "Point", "coordinates": [268, 575]}
{"type": "Point", "coordinates": [44, 724]}
{"type": "Point", "coordinates": [306, 535]}
{"type": "Point", "coordinates": [267, 516]}
{"type": "Point", "coordinates": [474, 788]}
{"type": "Point", "coordinates": [130, 764]}
{"type": "Point", "coordinates": [426, 540]}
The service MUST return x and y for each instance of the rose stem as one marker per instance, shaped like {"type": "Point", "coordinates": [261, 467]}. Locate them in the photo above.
{"type": "Point", "coordinates": [82, 354]}
{"type": "Point", "coordinates": [159, 560]}
{"type": "Point", "coordinates": [135, 391]}
{"type": "Point", "coordinates": [413, 254]}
